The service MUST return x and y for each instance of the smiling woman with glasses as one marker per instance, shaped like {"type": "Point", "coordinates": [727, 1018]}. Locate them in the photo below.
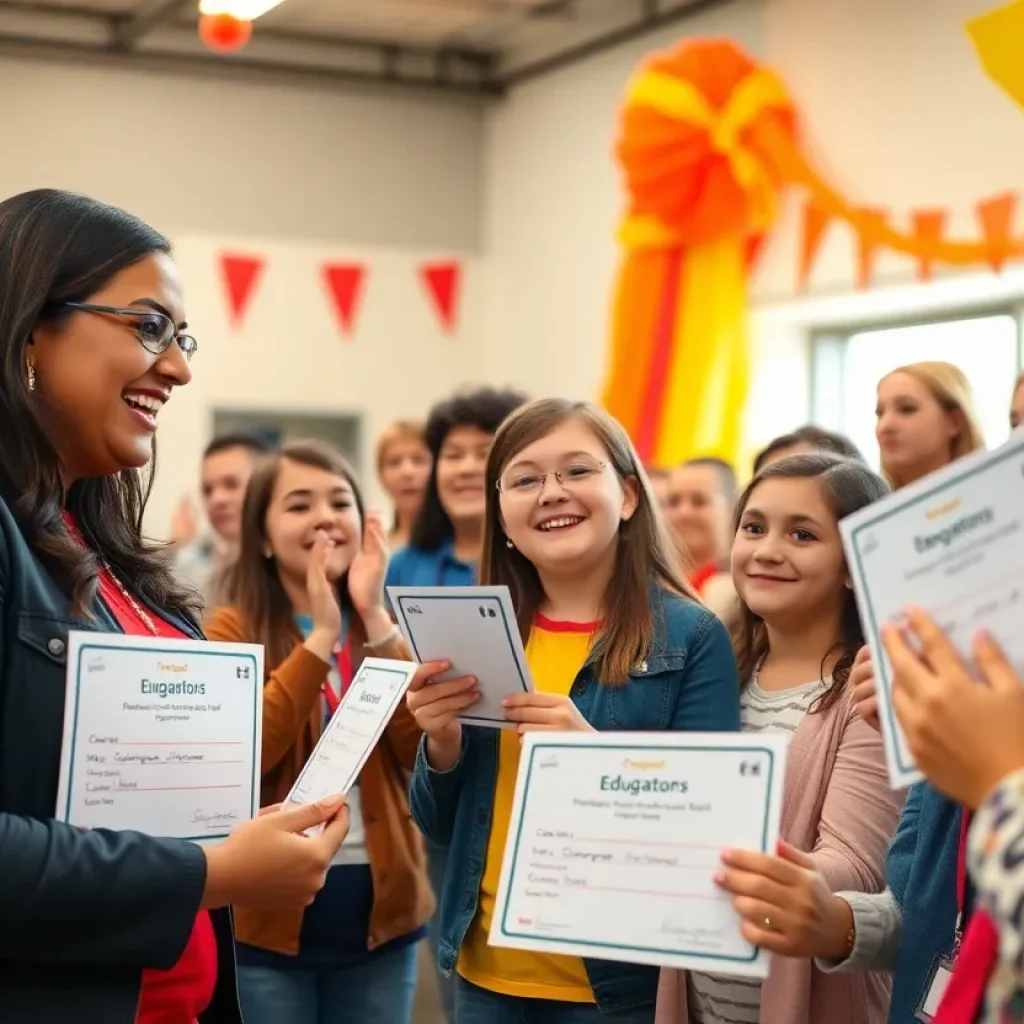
{"type": "Point", "coordinates": [103, 926]}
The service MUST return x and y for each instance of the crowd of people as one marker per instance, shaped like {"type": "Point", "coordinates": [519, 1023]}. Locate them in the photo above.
{"type": "Point", "coordinates": [649, 598]}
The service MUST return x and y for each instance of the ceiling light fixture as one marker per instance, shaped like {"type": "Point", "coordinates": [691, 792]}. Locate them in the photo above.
{"type": "Point", "coordinates": [241, 10]}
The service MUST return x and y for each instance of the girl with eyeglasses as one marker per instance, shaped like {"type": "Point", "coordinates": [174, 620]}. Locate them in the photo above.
{"type": "Point", "coordinates": [614, 640]}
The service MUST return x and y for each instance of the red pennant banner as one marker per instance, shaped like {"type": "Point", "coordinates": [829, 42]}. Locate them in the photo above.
{"type": "Point", "coordinates": [442, 281]}
{"type": "Point", "coordinates": [812, 232]}
{"type": "Point", "coordinates": [996, 218]}
{"type": "Point", "coordinates": [241, 274]}
{"type": "Point", "coordinates": [867, 247]}
{"type": "Point", "coordinates": [345, 284]}
{"type": "Point", "coordinates": [929, 225]}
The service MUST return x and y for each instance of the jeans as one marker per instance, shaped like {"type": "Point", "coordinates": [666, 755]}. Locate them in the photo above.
{"type": "Point", "coordinates": [437, 862]}
{"type": "Point", "coordinates": [380, 990]}
{"type": "Point", "coordinates": [476, 1005]}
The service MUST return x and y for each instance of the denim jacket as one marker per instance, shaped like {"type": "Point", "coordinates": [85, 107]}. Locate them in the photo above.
{"type": "Point", "coordinates": [687, 682]}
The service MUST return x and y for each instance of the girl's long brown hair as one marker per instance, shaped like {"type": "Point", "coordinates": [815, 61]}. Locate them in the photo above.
{"type": "Point", "coordinates": [253, 585]}
{"type": "Point", "coordinates": [846, 486]}
{"type": "Point", "coordinates": [645, 554]}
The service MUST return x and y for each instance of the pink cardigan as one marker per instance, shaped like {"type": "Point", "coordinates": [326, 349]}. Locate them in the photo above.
{"type": "Point", "coordinates": [838, 805]}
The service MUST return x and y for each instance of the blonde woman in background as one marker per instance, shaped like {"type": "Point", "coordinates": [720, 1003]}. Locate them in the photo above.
{"type": "Point", "coordinates": [403, 467]}
{"type": "Point", "coordinates": [925, 419]}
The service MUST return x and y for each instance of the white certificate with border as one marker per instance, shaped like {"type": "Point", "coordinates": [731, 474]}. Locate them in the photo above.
{"type": "Point", "coordinates": [354, 730]}
{"type": "Point", "coordinates": [615, 838]}
{"type": "Point", "coordinates": [475, 629]}
{"type": "Point", "coordinates": [161, 736]}
{"type": "Point", "coordinates": [952, 544]}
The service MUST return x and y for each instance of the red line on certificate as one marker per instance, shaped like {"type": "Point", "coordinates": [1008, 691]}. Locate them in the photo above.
{"type": "Point", "coordinates": [181, 743]}
{"type": "Point", "coordinates": [181, 764]}
{"type": "Point", "coordinates": [654, 892]}
{"type": "Point", "coordinates": [640, 842]}
{"type": "Point", "coordinates": [171, 789]}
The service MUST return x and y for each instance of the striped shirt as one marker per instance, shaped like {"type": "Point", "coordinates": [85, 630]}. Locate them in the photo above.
{"type": "Point", "coordinates": [714, 998]}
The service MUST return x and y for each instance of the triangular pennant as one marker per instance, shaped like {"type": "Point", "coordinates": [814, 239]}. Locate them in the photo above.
{"type": "Point", "coordinates": [867, 223]}
{"type": "Point", "coordinates": [812, 231]}
{"type": "Point", "coordinates": [929, 226]}
{"type": "Point", "coordinates": [345, 283]}
{"type": "Point", "coordinates": [996, 218]}
{"type": "Point", "coordinates": [240, 276]}
{"type": "Point", "coordinates": [442, 281]}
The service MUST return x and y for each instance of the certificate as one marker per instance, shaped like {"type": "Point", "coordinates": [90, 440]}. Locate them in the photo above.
{"type": "Point", "coordinates": [161, 736]}
{"type": "Point", "coordinates": [952, 544]}
{"type": "Point", "coordinates": [354, 730]}
{"type": "Point", "coordinates": [615, 839]}
{"type": "Point", "coordinates": [475, 629]}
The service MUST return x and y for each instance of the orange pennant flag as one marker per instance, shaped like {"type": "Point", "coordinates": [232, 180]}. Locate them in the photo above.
{"type": "Point", "coordinates": [815, 220]}
{"type": "Point", "coordinates": [996, 218]}
{"type": "Point", "coordinates": [867, 223]}
{"type": "Point", "coordinates": [929, 226]}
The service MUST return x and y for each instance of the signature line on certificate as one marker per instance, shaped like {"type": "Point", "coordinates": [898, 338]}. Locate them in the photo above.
{"type": "Point", "coordinates": [173, 789]}
{"type": "Point", "coordinates": [181, 743]}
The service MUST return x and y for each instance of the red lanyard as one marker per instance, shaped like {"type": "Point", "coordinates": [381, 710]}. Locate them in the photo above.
{"type": "Point", "coordinates": [961, 879]}
{"type": "Point", "coordinates": [343, 661]}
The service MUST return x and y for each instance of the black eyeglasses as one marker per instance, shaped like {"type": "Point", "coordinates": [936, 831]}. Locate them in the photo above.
{"type": "Point", "coordinates": [155, 330]}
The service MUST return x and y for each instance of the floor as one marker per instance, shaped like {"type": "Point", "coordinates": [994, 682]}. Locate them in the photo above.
{"type": "Point", "coordinates": [427, 1009]}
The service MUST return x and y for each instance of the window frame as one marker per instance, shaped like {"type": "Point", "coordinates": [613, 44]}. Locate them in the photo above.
{"type": "Point", "coordinates": [827, 341]}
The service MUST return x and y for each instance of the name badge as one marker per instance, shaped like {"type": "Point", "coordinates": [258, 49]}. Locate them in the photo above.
{"type": "Point", "coordinates": [938, 982]}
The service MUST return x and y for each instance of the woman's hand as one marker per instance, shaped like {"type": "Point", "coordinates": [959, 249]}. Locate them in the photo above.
{"type": "Point", "coordinates": [862, 688]}
{"type": "Point", "coordinates": [269, 862]}
{"type": "Point", "coordinates": [965, 736]}
{"type": "Point", "coordinates": [323, 601]}
{"type": "Point", "coordinates": [369, 568]}
{"type": "Point", "coordinates": [536, 712]}
{"type": "Point", "coordinates": [436, 708]}
{"type": "Point", "coordinates": [786, 904]}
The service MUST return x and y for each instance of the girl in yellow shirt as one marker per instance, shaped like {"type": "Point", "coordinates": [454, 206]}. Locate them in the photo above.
{"type": "Point", "coordinates": [614, 640]}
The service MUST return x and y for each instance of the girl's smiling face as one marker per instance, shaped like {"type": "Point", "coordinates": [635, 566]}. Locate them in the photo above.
{"type": "Point", "coordinates": [788, 562]}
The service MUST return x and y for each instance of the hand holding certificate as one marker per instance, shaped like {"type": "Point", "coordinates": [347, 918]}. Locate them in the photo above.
{"type": "Point", "coordinates": [354, 730]}
{"type": "Point", "coordinates": [615, 841]}
{"type": "Point", "coordinates": [474, 630]}
{"type": "Point", "coordinates": [952, 544]}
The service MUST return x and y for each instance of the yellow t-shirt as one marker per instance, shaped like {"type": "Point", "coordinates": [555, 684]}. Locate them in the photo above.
{"type": "Point", "coordinates": [555, 653]}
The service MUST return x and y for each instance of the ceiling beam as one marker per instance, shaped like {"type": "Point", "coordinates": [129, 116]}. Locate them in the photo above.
{"type": "Point", "coordinates": [247, 69]}
{"type": "Point", "coordinates": [649, 18]}
{"type": "Point", "coordinates": [146, 17]}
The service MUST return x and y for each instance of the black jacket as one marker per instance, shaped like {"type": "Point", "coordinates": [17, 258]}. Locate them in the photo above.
{"type": "Point", "coordinates": [81, 913]}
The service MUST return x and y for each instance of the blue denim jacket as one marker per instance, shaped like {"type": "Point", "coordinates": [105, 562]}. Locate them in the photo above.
{"type": "Point", "coordinates": [688, 683]}
{"type": "Point", "coordinates": [921, 870]}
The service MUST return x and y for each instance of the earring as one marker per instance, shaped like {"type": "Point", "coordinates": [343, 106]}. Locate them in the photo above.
{"type": "Point", "coordinates": [509, 543]}
{"type": "Point", "coordinates": [31, 377]}
{"type": "Point", "coordinates": [849, 584]}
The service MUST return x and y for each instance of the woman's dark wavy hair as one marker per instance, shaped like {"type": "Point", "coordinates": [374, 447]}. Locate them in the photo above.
{"type": "Point", "coordinates": [484, 409]}
{"type": "Point", "coordinates": [58, 247]}
{"type": "Point", "coordinates": [846, 486]}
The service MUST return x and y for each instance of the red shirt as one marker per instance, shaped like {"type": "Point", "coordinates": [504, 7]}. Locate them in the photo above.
{"type": "Point", "coordinates": [179, 995]}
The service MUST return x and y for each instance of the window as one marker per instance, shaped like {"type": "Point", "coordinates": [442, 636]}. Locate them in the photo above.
{"type": "Point", "coordinates": [847, 366]}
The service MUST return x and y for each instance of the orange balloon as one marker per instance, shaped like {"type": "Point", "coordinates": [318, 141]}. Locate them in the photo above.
{"type": "Point", "coordinates": [223, 33]}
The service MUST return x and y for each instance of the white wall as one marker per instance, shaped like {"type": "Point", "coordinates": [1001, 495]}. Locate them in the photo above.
{"type": "Point", "coordinates": [289, 353]}
{"type": "Point", "coordinates": [231, 157]}
{"type": "Point", "coordinates": [552, 201]}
